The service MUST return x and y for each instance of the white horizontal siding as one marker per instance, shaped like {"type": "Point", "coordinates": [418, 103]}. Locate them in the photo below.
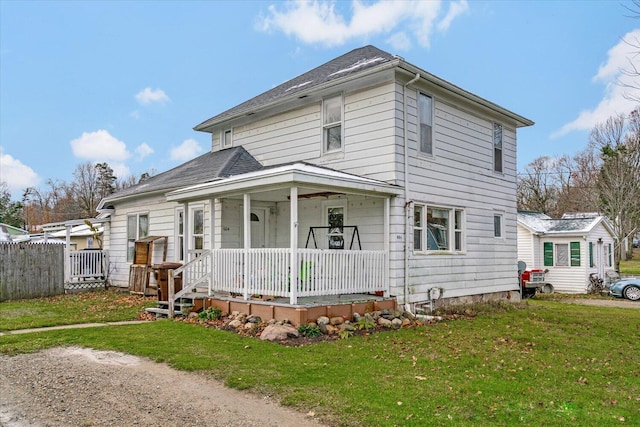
{"type": "Point", "coordinates": [161, 223]}
{"type": "Point", "coordinates": [460, 175]}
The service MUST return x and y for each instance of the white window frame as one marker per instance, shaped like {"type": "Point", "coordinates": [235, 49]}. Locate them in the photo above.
{"type": "Point", "coordinates": [226, 138]}
{"type": "Point", "coordinates": [138, 235]}
{"type": "Point", "coordinates": [326, 126]}
{"type": "Point", "coordinates": [192, 224]}
{"type": "Point", "coordinates": [418, 228]}
{"type": "Point", "coordinates": [498, 232]}
{"type": "Point", "coordinates": [455, 234]}
{"type": "Point", "coordinates": [179, 233]}
{"type": "Point", "coordinates": [497, 146]}
{"type": "Point", "coordinates": [566, 251]}
{"type": "Point", "coordinates": [332, 204]}
{"type": "Point", "coordinates": [420, 124]}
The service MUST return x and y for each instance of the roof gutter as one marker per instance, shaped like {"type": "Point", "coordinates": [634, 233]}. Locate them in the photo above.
{"type": "Point", "coordinates": [520, 120]}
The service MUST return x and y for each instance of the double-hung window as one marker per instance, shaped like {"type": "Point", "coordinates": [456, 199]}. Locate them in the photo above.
{"type": "Point", "coordinates": [332, 123]}
{"type": "Point", "coordinates": [180, 234]}
{"type": "Point", "coordinates": [561, 254]}
{"type": "Point", "coordinates": [438, 229]}
{"type": "Point", "coordinates": [197, 229]}
{"type": "Point", "coordinates": [425, 111]}
{"type": "Point", "coordinates": [137, 228]}
{"type": "Point", "coordinates": [497, 225]}
{"type": "Point", "coordinates": [497, 147]}
{"type": "Point", "coordinates": [227, 138]}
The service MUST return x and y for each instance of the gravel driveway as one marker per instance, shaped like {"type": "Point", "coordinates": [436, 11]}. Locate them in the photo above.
{"type": "Point", "coordinates": [82, 387]}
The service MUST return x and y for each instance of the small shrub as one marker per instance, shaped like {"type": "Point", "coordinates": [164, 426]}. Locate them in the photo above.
{"type": "Point", "coordinates": [365, 324]}
{"type": "Point", "coordinates": [309, 331]}
{"type": "Point", "coordinates": [345, 333]}
{"type": "Point", "coordinates": [211, 313]}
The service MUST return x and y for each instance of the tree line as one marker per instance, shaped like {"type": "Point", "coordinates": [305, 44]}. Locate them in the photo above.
{"type": "Point", "coordinates": [604, 178]}
{"type": "Point", "coordinates": [59, 200]}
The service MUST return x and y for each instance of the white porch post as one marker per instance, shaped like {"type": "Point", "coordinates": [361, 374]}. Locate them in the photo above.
{"type": "Point", "coordinates": [247, 241]}
{"type": "Point", "coordinates": [293, 284]}
{"type": "Point", "coordinates": [214, 244]}
{"type": "Point", "coordinates": [67, 254]}
{"type": "Point", "coordinates": [387, 230]}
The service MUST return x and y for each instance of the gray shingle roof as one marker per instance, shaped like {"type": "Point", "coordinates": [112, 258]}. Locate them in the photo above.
{"type": "Point", "coordinates": [353, 62]}
{"type": "Point", "coordinates": [208, 167]}
{"type": "Point", "coordinates": [541, 223]}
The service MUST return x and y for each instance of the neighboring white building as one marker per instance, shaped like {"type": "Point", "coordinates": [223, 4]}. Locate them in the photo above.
{"type": "Point", "coordinates": [570, 248]}
{"type": "Point", "coordinates": [418, 173]}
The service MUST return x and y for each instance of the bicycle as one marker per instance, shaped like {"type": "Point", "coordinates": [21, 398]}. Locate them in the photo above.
{"type": "Point", "coordinates": [596, 284]}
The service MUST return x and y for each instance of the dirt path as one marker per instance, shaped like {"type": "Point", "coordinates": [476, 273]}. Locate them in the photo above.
{"type": "Point", "coordinates": [83, 387]}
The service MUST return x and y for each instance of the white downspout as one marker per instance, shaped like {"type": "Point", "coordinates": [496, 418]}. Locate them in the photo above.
{"type": "Point", "coordinates": [407, 229]}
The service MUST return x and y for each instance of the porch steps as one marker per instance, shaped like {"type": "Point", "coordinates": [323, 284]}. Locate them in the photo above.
{"type": "Point", "coordinates": [187, 299]}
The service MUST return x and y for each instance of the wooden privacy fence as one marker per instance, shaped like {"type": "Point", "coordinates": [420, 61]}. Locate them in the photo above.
{"type": "Point", "coordinates": [29, 270]}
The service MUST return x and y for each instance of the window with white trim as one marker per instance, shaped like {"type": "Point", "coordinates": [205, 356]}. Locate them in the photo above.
{"type": "Point", "coordinates": [335, 221]}
{"type": "Point", "coordinates": [332, 124]}
{"type": "Point", "coordinates": [425, 111]}
{"type": "Point", "coordinates": [497, 225]}
{"type": "Point", "coordinates": [497, 147]}
{"type": "Point", "coordinates": [197, 229]}
{"type": "Point", "coordinates": [137, 228]}
{"type": "Point", "coordinates": [562, 255]}
{"type": "Point", "coordinates": [438, 228]}
{"type": "Point", "coordinates": [418, 231]}
{"type": "Point", "coordinates": [180, 234]}
{"type": "Point", "coordinates": [226, 138]}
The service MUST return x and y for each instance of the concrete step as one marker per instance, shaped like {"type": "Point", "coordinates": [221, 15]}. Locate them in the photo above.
{"type": "Point", "coordinates": [162, 312]}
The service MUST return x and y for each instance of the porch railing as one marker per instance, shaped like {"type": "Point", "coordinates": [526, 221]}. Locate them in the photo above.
{"type": "Point", "coordinates": [267, 271]}
{"type": "Point", "coordinates": [88, 264]}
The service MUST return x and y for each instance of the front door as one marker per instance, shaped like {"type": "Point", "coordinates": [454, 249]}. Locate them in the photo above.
{"type": "Point", "coordinates": [258, 228]}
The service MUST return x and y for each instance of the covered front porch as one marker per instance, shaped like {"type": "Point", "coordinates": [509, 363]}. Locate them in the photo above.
{"type": "Point", "coordinates": [289, 233]}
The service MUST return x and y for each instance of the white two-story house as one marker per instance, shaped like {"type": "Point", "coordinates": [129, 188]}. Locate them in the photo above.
{"type": "Point", "coordinates": [367, 174]}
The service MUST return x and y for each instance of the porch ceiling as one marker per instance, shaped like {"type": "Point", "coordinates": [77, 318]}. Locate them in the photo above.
{"type": "Point", "coordinates": [273, 184]}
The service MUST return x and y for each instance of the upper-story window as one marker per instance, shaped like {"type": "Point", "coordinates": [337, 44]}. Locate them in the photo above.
{"type": "Point", "coordinates": [425, 111]}
{"type": "Point", "coordinates": [497, 225]}
{"type": "Point", "coordinates": [227, 139]}
{"type": "Point", "coordinates": [497, 147]}
{"type": "Point", "coordinates": [332, 123]}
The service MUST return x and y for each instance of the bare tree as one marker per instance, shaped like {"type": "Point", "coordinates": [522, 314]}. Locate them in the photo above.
{"type": "Point", "coordinates": [619, 177]}
{"type": "Point", "coordinates": [536, 190]}
{"type": "Point", "coordinates": [85, 188]}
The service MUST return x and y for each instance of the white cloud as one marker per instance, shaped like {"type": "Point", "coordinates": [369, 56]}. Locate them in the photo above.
{"type": "Point", "coordinates": [400, 41]}
{"type": "Point", "coordinates": [99, 146]}
{"type": "Point", "coordinates": [189, 149]}
{"type": "Point", "coordinates": [616, 83]}
{"type": "Point", "coordinates": [316, 21]}
{"type": "Point", "coordinates": [143, 150]}
{"type": "Point", "coordinates": [147, 96]}
{"type": "Point", "coordinates": [16, 174]}
{"type": "Point", "coordinates": [120, 170]}
{"type": "Point", "coordinates": [455, 9]}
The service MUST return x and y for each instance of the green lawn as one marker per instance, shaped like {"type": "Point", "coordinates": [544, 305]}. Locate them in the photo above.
{"type": "Point", "coordinates": [631, 266]}
{"type": "Point", "coordinates": [86, 307]}
{"type": "Point", "coordinates": [541, 363]}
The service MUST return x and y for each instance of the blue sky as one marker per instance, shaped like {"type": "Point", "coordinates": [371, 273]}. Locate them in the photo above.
{"type": "Point", "coordinates": [125, 82]}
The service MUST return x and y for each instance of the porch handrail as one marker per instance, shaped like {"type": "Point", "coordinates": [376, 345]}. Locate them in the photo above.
{"type": "Point", "coordinates": [199, 266]}
{"type": "Point", "coordinates": [87, 263]}
{"type": "Point", "coordinates": [320, 272]}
